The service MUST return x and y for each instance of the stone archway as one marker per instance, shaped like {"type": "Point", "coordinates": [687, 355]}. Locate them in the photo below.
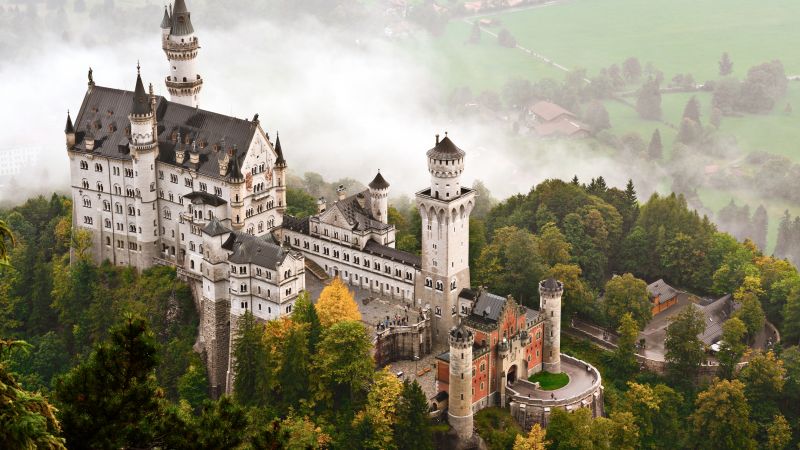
{"type": "Point", "coordinates": [511, 375]}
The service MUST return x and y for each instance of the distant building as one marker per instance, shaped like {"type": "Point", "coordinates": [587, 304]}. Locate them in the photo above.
{"type": "Point", "coordinates": [552, 121]}
{"type": "Point", "coordinates": [662, 296]}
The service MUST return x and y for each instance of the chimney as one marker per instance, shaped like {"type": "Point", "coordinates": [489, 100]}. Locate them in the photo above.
{"type": "Point", "coordinates": [321, 205]}
{"type": "Point", "coordinates": [340, 192]}
{"type": "Point", "coordinates": [194, 156]}
{"type": "Point", "coordinates": [437, 139]}
{"type": "Point", "coordinates": [362, 201]}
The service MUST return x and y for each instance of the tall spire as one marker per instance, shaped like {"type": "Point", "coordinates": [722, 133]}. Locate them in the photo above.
{"type": "Point", "coordinates": [181, 19]}
{"type": "Point", "coordinates": [141, 103]}
{"type": "Point", "coordinates": [181, 46]}
{"type": "Point", "coordinates": [280, 161]}
{"type": "Point", "coordinates": [69, 128]}
{"type": "Point", "coordinates": [166, 22]}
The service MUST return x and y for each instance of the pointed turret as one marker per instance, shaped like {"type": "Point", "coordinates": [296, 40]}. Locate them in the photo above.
{"type": "Point", "coordinates": [69, 128]}
{"type": "Point", "coordinates": [280, 161]}
{"type": "Point", "coordinates": [141, 102]}
{"type": "Point", "coordinates": [166, 22]}
{"type": "Point", "coordinates": [379, 191]}
{"type": "Point", "coordinates": [379, 182]}
{"type": "Point", "coordinates": [236, 168]}
{"type": "Point", "coordinates": [181, 20]}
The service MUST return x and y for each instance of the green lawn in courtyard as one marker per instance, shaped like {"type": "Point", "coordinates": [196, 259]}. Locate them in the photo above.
{"type": "Point", "coordinates": [549, 381]}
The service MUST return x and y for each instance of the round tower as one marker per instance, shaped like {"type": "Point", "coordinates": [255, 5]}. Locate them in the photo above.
{"type": "Point", "coordinates": [144, 151]}
{"type": "Point", "coordinates": [280, 175]}
{"type": "Point", "coordinates": [550, 292]}
{"type": "Point", "coordinates": [181, 45]}
{"type": "Point", "coordinates": [445, 164]}
{"type": "Point", "coordinates": [379, 191]}
{"type": "Point", "coordinates": [460, 396]}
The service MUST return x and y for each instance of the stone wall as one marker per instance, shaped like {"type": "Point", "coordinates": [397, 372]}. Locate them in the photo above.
{"type": "Point", "coordinates": [403, 342]}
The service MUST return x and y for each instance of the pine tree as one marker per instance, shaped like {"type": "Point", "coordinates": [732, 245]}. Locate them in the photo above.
{"type": "Point", "coordinates": [413, 431]}
{"type": "Point", "coordinates": [250, 365]}
{"type": "Point", "coordinates": [648, 104]}
{"type": "Point", "coordinates": [725, 65]}
{"type": "Point", "coordinates": [117, 387]}
{"type": "Point", "coordinates": [305, 313]}
{"type": "Point", "coordinates": [27, 420]}
{"type": "Point", "coordinates": [760, 224]}
{"type": "Point", "coordinates": [655, 150]}
{"type": "Point", "coordinates": [692, 110]}
{"type": "Point", "coordinates": [336, 304]}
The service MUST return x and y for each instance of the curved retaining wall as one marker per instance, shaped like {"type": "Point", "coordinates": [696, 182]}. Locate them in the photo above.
{"type": "Point", "coordinates": [528, 411]}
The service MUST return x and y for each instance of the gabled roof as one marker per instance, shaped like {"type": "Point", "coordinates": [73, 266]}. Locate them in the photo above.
{"type": "Point", "coordinates": [215, 133]}
{"type": "Point", "coordinates": [360, 218]}
{"type": "Point", "coordinates": [379, 182]}
{"type": "Point", "coordinates": [661, 290]}
{"type": "Point", "coordinates": [489, 306]}
{"type": "Point", "coordinates": [248, 249]}
{"type": "Point", "coordinates": [295, 224]}
{"type": "Point", "coordinates": [548, 111]}
{"type": "Point", "coordinates": [215, 228]}
{"type": "Point", "coordinates": [445, 150]}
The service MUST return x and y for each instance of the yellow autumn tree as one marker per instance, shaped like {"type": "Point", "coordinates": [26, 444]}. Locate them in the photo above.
{"type": "Point", "coordinates": [535, 440]}
{"type": "Point", "coordinates": [380, 411]}
{"type": "Point", "coordinates": [336, 304]}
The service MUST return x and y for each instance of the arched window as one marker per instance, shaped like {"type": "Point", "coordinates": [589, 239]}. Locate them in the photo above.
{"type": "Point", "coordinates": [439, 286]}
{"type": "Point", "coordinates": [87, 202]}
{"type": "Point", "coordinates": [428, 282]}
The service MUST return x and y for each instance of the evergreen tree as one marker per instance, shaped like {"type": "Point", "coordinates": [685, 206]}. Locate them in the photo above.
{"type": "Point", "coordinates": [689, 131]}
{"type": "Point", "coordinates": [6, 241]}
{"type": "Point", "coordinates": [725, 65]}
{"type": "Point", "coordinates": [596, 116]}
{"type": "Point", "coordinates": [250, 365]}
{"type": "Point", "coordinates": [655, 150]}
{"type": "Point", "coordinates": [412, 431]}
{"type": "Point", "coordinates": [116, 385]}
{"type": "Point", "coordinates": [648, 104]}
{"type": "Point", "coordinates": [193, 385]}
{"type": "Point", "coordinates": [27, 420]}
{"type": "Point", "coordinates": [692, 110]}
{"type": "Point", "coordinates": [760, 223]}
{"type": "Point", "coordinates": [304, 312]}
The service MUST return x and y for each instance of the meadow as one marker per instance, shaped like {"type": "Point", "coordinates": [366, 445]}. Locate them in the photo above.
{"type": "Point", "coordinates": [675, 36]}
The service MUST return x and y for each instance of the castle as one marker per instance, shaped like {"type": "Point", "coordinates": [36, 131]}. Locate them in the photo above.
{"type": "Point", "coordinates": [159, 181]}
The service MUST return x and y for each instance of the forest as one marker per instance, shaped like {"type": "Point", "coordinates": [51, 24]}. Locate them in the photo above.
{"type": "Point", "coordinates": [102, 356]}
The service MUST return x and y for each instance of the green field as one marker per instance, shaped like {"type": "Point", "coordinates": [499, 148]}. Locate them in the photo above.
{"type": "Point", "coordinates": [676, 36]}
{"type": "Point", "coordinates": [549, 381]}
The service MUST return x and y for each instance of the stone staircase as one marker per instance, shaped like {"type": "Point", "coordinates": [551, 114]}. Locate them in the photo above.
{"type": "Point", "coordinates": [317, 271]}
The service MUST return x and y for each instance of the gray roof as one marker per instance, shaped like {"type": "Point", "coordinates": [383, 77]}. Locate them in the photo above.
{"type": "Point", "coordinates": [215, 228]}
{"type": "Point", "coordinates": [714, 315]}
{"type": "Point", "coordinates": [166, 22]}
{"type": "Point", "coordinates": [551, 283]}
{"type": "Point", "coordinates": [532, 314]}
{"type": "Point", "coordinates": [141, 101]}
{"type": "Point", "coordinates": [248, 249]}
{"type": "Point", "coordinates": [181, 19]}
{"type": "Point", "coordinates": [445, 150]}
{"type": "Point", "coordinates": [69, 128]}
{"type": "Point", "coordinates": [295, 224]}
{"type": "Point", "coordinates": [204, 198]}
{"type": "Point", "coordinates": [379, 182]}
{"type": "Point", "coordinates": [360, 218]}
{"type": "Point", "coordinates": [393, 254]}
{"type": "Point", "coordinates": [662, 290]}
{"type": "Point", "coordinates": [489, 306]}
{"type": "Point", "coordinates": [215, 133]}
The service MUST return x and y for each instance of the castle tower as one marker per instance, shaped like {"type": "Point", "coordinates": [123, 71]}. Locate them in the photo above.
{"type": "Point", "coordinates": [459, 413]}
{"type": "Point", "coordinates": [144, 152]}
{"type": "Point", "coordinates": [444, 209]}
{"type": "Point", "coordinates": [180, 45]}
{"type": "Point", "coordinates": [379, 191]}
{"type": "Point", "coordinates": [550, 292]}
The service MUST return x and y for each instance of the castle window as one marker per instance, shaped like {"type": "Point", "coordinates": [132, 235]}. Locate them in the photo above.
{"type": "Point", "coordinates": [129, 173]}
{"type": "Point", "coordinates": [118, 208]}
{"type": "Point", "coordinates": [203, 187]}
{"type": "Point", "coordinates": [188, 182]}
{"type": "Point", "coordinates": [85, 184]}
{"type": "Point", "coordinates": [243, 288]}
{"type": "Point", "coordinates": [173, 178]}
{"type": "Point", "coordinates": [100, 186]}
{"type": "Point", "coordinates": [218, 191]}
{"type": "Point", "coordinates": [131, 211]}
{"type": "Point", "coordinates": [84, 165]}
{"type": "Point", "coordinates": [439, 286]}
{"type": "Point", "coordinates": [167, 213]}
{"type": "Point", "coordinates": [428, 283]}
{"type": "Point", "coordinates": [98, 167]}
{"type": "Point", "coordinates": [132, 228]}
{"type": "Point", "coordinates": [108, 241]}
{"type": "Point", "coordinates": [87, 220]}
{"type": "Point", "coordinates": [160, 174]}
{"type": "Point", "coordinates": [87, 202]}
{"type": "Point", "coordinates": [108, 223]}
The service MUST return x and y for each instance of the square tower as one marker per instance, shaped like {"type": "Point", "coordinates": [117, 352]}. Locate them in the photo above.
{"type": "Point", "coordinates": [445, 208]}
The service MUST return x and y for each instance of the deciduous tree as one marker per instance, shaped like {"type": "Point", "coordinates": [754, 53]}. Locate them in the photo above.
{"type": "Point", "coordinates": [535, 440]}
{"type": "Point", "coordinates": [684, 350]}
{"type": "Point", "coordinates": [721, 420]}
{"type": "Point", "coordinates": [732, 346]}
{"type": "Point", "coordinates": [627, 293]}
{"type": "Point", "coordinates": [336, 304]}
{"type": "Point", "coordinates": [625, 354]}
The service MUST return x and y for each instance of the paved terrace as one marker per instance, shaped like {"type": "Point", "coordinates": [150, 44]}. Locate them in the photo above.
{"type": "Point", "coordinates": [581, 381]}
{"type": "Point", "coordinates": [375, 309]}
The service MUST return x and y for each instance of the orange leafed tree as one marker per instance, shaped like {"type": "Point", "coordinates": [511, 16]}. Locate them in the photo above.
{"type": "Point", "coordinates": [336, 304]}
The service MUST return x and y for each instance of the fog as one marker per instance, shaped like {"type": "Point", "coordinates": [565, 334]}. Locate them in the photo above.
{"type": "Point", "coordinates": [347, 101]}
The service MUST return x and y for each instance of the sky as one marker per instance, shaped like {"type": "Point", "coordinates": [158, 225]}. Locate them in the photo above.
{"type": "Point", "coordinates": [346, 102]}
